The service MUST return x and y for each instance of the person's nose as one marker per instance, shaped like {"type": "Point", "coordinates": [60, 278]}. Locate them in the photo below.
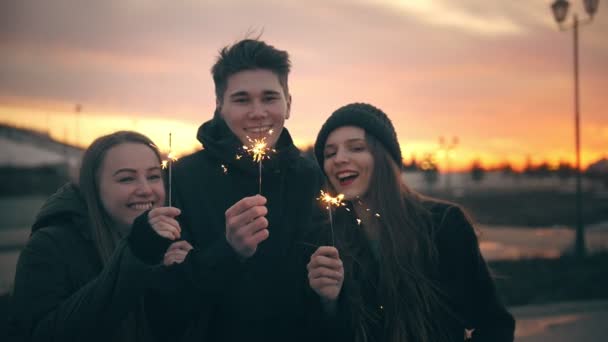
{"type": "Point", "coordinates": [341, 156]}
{"type": "Point", "coordinates": [258, 110]}
{"type": "Point", "coordinates": [143, 188]}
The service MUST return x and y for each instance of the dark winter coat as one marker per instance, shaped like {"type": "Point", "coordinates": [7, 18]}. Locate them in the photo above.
{"type": "Point", "coordinates": [462, 277]}
{"type": "Point", "coordinates": [265, 297]}
{"type": "Point", "coordinates": [63, 293]}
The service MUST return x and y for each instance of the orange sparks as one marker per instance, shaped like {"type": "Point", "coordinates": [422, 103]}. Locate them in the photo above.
{"type": "Point", "coordinates": [257, 149]}
{"type": "Point", "coordinates": [335, 201]}
{"type": "Point", "coordinates": [170, 158]}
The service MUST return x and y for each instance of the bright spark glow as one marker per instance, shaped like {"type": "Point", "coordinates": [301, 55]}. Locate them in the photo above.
{"type": "Point", "coordinates": [258, 149]}
{"type": "Point", "coordinates": [335, 201]}
{"type": "Point", "coordinates": [331, 201]}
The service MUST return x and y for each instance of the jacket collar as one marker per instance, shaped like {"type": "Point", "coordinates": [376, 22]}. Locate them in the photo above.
{"type": "Point", "coordinates": [222, 144]}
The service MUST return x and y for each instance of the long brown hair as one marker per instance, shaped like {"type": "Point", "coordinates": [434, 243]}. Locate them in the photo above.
{"type": "Point", "coordinates": [407, 255]}
{"type": "Point", "coordinates": [105, 235]}
{"type": "Point", "coordinates": [134, 327]}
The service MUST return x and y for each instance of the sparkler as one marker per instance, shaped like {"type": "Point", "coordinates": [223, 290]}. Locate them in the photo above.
{"type": "Point", "coordinates": [259, 150]}
{"type": "Point", "coordinates": [331, 202]}
{"type": "Point", "coordinates": [168, 164]}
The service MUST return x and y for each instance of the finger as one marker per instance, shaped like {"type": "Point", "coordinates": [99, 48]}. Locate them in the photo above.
{"type": "Point", "coordinates": [161, 228]}
{"type": "Point", "coordinates": [320, 283]}
{"type": "Point", "coordinates": [245, 233]}
{"type": "Point", "coordinates": [166, 219]}
{"type": "Point", "coordinates": [328, 251]}
{"type": "Point", "coordinates": [244, 204]}
{"type": "Point", "coordinates": [166, 235]}
{"type": "Point", "coordinates": [176, 254]}
{"type": "Point", "coordinates": [258, 237]}
{"type": "Point", "coordinates": [322, 261]}
{"type": "Point", "coordinates": [325, 273]}
{"type": "Point", "coordinates": [246, 217]}
{"type": "Point", "coordinates": [167, 211]}
{"type": "Point", "coordinates": [180, 245]}
{"type": "Point", "coordinates": [254, 226]}
{"type": "Point", "coordinates": [170, 260]}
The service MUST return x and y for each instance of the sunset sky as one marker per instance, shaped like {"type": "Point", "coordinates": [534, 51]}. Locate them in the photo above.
{"type": "Point", "coordinates": [496, 74]}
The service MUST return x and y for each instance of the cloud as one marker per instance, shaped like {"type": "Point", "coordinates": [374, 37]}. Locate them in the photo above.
{"type": "Point", "coordinates": [471, 67]}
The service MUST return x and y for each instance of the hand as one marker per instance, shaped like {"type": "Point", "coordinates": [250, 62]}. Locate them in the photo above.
{"type": "Point", "coordinates": [326, 273]}
{"type": "Point", "coordinates": [163, 222]}
{"type": "Point", "coordinates": [177, 252]}
{"type": "Point", "coordinates": [246, 225]}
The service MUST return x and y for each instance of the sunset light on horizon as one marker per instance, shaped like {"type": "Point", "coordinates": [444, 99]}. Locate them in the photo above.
{"type": "Point", "coordinates": [496, 75]}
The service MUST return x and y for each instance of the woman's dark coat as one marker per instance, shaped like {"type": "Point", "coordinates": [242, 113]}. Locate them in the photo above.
{"type": "Point", "coordinates": [63, 293]}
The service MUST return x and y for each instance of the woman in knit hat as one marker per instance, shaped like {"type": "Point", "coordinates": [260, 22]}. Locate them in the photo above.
{"type": "Point", "coordinates": [411, 265]}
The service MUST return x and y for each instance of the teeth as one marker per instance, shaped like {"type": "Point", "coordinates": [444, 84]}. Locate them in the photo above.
{"type": "Point", "coordinates": [346, 174]}
{"type": "Point", "coordinates": [259, 129]}
{"type": "Point", "coordinates": [142, 206]}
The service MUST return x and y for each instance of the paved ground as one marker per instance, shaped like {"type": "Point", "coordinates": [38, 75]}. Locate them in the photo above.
{"type": "Point", "coordinates": [560, 322]}
{"type": "Point", "coordinates": [567, 321]}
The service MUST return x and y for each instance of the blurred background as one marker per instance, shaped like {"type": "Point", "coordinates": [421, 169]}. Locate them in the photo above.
{"type": "Point", "coordinates": [483, 95]}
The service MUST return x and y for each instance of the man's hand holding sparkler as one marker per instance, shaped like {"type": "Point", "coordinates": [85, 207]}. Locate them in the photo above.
{"type": "Point", "coordinates": [326, 274]}
{"type": "Point", "coordinates": [162, 220]}
{"type": "Point", "coordinates": [246, 225]}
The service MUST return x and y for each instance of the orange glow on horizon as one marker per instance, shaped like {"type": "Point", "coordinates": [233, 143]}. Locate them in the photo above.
{"type": "Point", "coordinates": [81, 129]}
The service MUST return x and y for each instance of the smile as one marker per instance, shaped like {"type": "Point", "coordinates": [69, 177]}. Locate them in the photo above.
{"type": "Point", "coordinates": [346, 178]}
{"type": "Point", "coordinates": [259, 129]}
{"type": "Point", "coordinates": [141, 206]}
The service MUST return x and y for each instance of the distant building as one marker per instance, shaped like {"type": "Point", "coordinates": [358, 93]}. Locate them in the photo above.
{"type": "Point", "coordinates": [23, 148]}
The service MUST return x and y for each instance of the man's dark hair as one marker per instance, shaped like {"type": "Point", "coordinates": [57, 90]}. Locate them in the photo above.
{"type": "Point", "coordinates": [249, 54]}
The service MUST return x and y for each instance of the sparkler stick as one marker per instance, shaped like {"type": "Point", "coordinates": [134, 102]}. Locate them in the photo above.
{"type": "Point", "coordinates": [170, 169]}
{"type": "Point", "coordinates": [331, 202]}
{"type": "Point", "coordinates": [258, 148]}
{"type": "Point", "coordinates": [168, 164]}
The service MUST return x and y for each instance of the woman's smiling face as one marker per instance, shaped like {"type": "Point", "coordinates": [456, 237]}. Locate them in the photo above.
{"type": "Point", "coordinates": [348, 161]}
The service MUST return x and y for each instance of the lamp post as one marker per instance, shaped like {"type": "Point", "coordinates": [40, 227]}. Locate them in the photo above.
{"type": "Point", "coordinates": [560, 11]}
{"type": "Point", "coordinates": [446, 146]}
{"type": "Point", "coordinates": [77, 111]}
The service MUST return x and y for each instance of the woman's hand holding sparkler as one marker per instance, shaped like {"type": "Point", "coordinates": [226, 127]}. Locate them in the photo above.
{"type": "Point", "coordinates": [246, 225]}
{"type": "Point", "coordinates": [163, 222]}
{"type": "Point", "coordinates": [177, 252]}
{"type": "Point", "coordinates": [326, 273]}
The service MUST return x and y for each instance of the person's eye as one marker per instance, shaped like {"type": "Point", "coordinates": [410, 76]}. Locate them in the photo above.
{"type": "Point", "coordinates": [329, 154]}
{"type": "Point", "coordinates": [271, 98]}
{"type": "Point", "coordinates": [358, 148]}
{"type": "Point", "coordinates": [240, 100]}
{"type": "Point", "coordinates": [126, 179]}
{"type": "Point", "coordinates": [154, 177]}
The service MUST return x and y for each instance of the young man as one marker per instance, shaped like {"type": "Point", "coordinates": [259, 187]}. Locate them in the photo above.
{"type": "Point", "coordinates": [248, 265]}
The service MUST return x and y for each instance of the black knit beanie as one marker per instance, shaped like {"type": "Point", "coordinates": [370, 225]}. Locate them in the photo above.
{"type": "Point", "coordinates": [371, 119]}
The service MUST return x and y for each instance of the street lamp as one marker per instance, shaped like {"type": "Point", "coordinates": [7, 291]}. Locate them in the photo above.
{"type": "Point", "coordinates": [446, 146]}
{"type": "Point", "coordinates": [77, 111]}
{"type": "Point", "coordinates": [560, 11]}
